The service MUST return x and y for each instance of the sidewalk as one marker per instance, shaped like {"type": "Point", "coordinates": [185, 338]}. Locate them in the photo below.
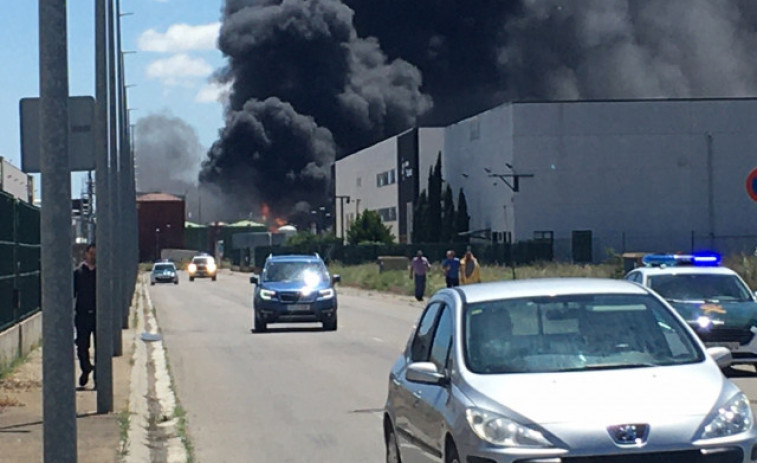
{"type": "Point", "coordinates": [99, 436]}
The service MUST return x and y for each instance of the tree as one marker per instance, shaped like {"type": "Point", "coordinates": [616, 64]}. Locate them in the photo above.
{"type": "Point", "coordinates": [420, 220]}
{"type": "Point", "coordinates": [435, 202]}
{"type": "Point", "coordinates": [448, 216]}
{"type": "Point", "coordinates": [368, 228]}
{"type": "Point", "coordinates": [462, 219]}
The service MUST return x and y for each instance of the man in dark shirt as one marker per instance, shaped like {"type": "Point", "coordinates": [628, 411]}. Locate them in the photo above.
{"type": "Point", "coordinates": [451, 266]}
{"type": "Point", "coordinates": [85, 285]}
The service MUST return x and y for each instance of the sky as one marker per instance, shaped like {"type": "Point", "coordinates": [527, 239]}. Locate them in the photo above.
{"type": "Point", "coordinates": [171, 71]}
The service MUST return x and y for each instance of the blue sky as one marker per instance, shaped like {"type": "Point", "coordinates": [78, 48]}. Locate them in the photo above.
{"type": "Point", "coordinates": [176, 54]}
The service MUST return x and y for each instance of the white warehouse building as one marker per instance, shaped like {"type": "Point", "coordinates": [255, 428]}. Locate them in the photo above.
{"type": "Point", "coordinates": [594, 176]}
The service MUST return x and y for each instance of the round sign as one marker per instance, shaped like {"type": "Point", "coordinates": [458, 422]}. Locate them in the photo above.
{"type": "Point", "coordinates": [751, 184]}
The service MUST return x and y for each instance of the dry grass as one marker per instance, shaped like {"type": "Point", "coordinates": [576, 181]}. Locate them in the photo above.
{"type": "Point", "coordinates": [367, 276]}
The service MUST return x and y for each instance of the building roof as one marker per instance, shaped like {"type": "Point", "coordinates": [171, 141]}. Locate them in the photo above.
{"type": "Point", "coordinates": [158, 197]}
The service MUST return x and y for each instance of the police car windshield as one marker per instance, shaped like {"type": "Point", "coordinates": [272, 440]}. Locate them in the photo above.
{"type": "Point", "coordinates": [574, 333]}
{"type": "Point", "coordinates": [293, 271]}
{"type": "Point", "coordinates": [164, 267]}
{"type": "Point", "coordinates": [700, 287]}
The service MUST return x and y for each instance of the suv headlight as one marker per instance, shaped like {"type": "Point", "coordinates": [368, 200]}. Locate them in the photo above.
{"type": "Point", "coordinates": [191, 268]}
{"type": "Point", "coordinates": [267, 294]}
{"type": "Point", "coordinates": [327, 293]}
{"type": "Point", "coordinates": [732, 418]}
{"type": "Point", "coordinates": [498, 430]}
{"type": "Point", "coordinates": [211, 268]}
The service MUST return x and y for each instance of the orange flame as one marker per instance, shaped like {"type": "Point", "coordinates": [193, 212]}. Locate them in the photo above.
{"type": "Point", "coordinates": [280, 222]}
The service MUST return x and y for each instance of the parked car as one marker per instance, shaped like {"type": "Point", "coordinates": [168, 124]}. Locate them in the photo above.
{"type": "Point", "coordinates": [294, 288]}
{"type": "Point", "coordinates": [202, 266]}
{"type": "Point", "coordinates": [164, 272]}
{"type": "Point", "coordinates": [714, 300]}
{"type": "Point", "coordinates": [561, 370]}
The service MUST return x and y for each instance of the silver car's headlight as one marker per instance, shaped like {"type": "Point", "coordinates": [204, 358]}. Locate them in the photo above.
{"type": "Point", "coordinates": [499, 430]}
{"type": "Point", "coordinates": [732, 418]}
{"type": "Point", "coordinates": [267, 294]}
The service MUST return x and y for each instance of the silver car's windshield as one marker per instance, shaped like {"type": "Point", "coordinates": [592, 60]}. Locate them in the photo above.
{"type": "Point", "coordinates": [576, 332]}
{"type": "Point", "coordinates": [700, 287]}
{"type": "Point", "coordinates": [164, 267]}
{"type": "Point", "coordinates": [294, 271]}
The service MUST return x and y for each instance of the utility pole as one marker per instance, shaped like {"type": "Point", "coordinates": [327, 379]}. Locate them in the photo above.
{"type": "Point", "coordinates": [104, 332]}
{"type": "Point", "coordinates": [126, 198]}
{"type": "Point", "coordinates": [116, 230]}
{"type": "Point", "coordinates": [58, 393]}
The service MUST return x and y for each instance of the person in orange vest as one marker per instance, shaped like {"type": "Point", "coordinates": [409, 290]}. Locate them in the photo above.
{"type": "Point", "coordinates": [470, 270]}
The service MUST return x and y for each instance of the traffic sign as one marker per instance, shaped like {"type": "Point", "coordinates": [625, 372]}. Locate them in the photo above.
{"type": "Point", "coordinates": [751, 184]}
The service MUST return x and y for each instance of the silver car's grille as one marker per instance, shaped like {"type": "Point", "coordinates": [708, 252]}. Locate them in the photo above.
{"type": "Point", "coordinates": [692, 456]}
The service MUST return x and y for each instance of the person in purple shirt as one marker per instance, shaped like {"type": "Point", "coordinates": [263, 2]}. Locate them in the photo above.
{"type": "Point", "coordinates": [418, 269]}
{"type": "Point", "coordinates": [451, 266]}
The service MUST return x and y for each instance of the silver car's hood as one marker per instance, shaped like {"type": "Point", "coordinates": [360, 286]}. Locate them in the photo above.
{"type": "Point", "coordinates": [642, 395]}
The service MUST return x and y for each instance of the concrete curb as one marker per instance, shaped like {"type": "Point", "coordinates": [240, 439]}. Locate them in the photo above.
{"type": "Point", "coordinates": [153, 427]}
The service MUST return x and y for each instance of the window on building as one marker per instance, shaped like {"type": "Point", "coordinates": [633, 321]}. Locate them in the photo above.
{"type": "Point", "coordinates": [392, 176]}
{"type": "Point", "coordinates": [542, 235]}
{"type": "Point", "coordinates": [388, 214]}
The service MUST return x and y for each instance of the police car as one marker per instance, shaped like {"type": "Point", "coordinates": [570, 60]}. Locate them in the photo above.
{"type": "Point", "coordinates": [714, 300]}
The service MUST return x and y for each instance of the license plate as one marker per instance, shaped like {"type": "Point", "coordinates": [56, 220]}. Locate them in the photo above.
{"type": "Point", "coordinates": [299, 308]}
{"type": "Point", "coordinates": [727, 345]}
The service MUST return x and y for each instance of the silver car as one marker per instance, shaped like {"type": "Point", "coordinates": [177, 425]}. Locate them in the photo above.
{"type": "Point", "coordinates": [562, 370]}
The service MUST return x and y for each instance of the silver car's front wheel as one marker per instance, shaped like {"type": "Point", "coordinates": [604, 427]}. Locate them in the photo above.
{"type": "Point", "coordinates": [392, 449]}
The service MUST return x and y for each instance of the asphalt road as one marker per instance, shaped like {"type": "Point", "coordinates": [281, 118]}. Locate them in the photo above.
{"type": "Point", "coordinates": [292, 394]}
{"type": "Point", "coordinates": [295, 393]}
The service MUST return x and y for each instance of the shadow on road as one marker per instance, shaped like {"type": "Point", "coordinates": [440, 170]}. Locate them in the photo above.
{"type": "Point", "coordinates": [293, 329]}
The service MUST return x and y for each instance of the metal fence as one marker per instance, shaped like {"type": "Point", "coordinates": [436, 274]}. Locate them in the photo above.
{"type": "Point", "coordinates": [19, 260]}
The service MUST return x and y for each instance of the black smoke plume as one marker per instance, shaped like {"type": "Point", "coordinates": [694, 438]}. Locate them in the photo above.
{"type": "Point", "coordinates": [362, 70]}
{"type": "Point", "coordinates": [306, 88]}
{"type": "Point", "coordinates": [168, 157]}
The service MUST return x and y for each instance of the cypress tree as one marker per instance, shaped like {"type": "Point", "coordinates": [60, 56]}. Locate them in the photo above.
{"type": "Point", "coordinates": [420, 219]}
{"type": "Point", "coordinates": [448, 216]}
{"type": "Point", "coordinates": [462, 219]}
{"type": "Point", "coordinates": [435, 202]}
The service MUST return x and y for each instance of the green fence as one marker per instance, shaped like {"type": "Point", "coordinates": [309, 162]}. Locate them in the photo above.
{"type": "Point", "coordinates": [19, 260]}
{"type": "Point", "coordinates": [523, 252]}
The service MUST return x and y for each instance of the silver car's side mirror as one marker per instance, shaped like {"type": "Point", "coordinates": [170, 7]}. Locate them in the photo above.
{"type": "Point", "coordinates": [426, 373]}
{"type": "Point", "coordinates": [755, 294]}
{"type": "Point", "coordinates": [721, 355]}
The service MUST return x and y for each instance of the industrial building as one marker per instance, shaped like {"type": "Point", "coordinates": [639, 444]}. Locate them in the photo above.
{"type": "Point", "coordinates": [161, 224]}
{"type": "Point", "coordinates": [596, 176]}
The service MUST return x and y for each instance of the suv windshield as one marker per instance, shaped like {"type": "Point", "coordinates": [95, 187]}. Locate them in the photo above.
{"type": "Point", "coordinates": [573, 333]}
{"type": "Point", "coordinates": [163, 267]}
{"type": "Point", "coordinates": [294, 271]}
{"type": "Point", "coordinates": [700, 287]}
{"type": "Point", "coordinates": [201, 260]}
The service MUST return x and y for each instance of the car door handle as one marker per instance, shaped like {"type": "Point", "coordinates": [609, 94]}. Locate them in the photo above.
{"type": "Point", "coordinates": [396, 382]}
{"type": "Point", "coordinates": [417, 395]}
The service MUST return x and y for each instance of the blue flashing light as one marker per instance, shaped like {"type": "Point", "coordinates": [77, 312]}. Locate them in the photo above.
{"type": "Point", "coordinates": [700, 259]}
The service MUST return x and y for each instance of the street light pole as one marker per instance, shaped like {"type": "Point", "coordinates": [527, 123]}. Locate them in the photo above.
{"type": "Point", "coordinates": [58, 394]}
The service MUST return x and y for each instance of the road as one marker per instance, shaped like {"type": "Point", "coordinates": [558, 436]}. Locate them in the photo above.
{"type": "Point", "coordinates": [295, 393]}
{"type": "Point", "coordinates": [290, 395]}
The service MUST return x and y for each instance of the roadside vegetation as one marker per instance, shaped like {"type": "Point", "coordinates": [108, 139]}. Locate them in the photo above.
{"type": "Point", "coordinates": [367, 276]}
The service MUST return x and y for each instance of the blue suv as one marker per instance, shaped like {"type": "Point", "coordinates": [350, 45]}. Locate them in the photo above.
{"type": "Point", "coordinates": [294, 288]}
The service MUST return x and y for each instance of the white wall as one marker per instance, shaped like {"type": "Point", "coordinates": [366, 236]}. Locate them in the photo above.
{"type": "Point", "coordinates": [356, 177]}
{"type": "Point", "coordinates": [635, 173]}
{"type": "Point", "coordinates": [471, 146]}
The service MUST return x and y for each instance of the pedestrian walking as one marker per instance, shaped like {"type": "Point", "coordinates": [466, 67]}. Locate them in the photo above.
{"type": "Point", "coordinates": [85, 286]}
{"type": "Point", "coordinates": [451, 266]}
{"type": "Point", "coordinates": [418, 269]}
{"type": "Point", "coordinates": [470, 270]}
